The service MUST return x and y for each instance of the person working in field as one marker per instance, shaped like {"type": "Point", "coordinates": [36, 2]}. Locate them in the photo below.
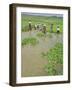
{"type": "Point", "coordinates": [35, 27]}
{"type": "Point", "coordinates": [58, 29]}
{"type": "Point", "coordinates": [30, 26]}
{"type": "Point", "coordinates": [44, 29]}
{"type": "Point", "coordinates": [51, 28]}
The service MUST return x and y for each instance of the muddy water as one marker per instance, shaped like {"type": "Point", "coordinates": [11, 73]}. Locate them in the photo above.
{"type": "Point", "coordinates": [32, 61]}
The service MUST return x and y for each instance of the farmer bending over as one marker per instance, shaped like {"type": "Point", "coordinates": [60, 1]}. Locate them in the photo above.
{"type": "Point", "coordinates": [30, 26]}
{"type": "Point", "coordinates": [51, 28]}
{"type": "Point", "coordinates": [58, 29]}
{"type": "Point", "coordinates": [44, 29]}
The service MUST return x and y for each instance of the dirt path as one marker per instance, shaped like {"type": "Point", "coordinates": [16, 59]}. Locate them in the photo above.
{"type": "Point", "coordinates": [32, 62]}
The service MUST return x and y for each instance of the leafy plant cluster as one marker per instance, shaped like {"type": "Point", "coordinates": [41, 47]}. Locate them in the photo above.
{"type": "Point", "coordinates": [55, 60]}
{"type": "Point", "coordinates": [40, 34]}
{"type": "Point", "coordinates": [29, 41]}
{"type": "Point", "coordinates": [25, 29]}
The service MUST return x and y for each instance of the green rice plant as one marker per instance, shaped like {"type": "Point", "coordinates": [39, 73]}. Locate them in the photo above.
{"type": "Point", "coordinates": [29, 41]}
{"type": "Point", "coordinates": [55, 60]}
{"type": "Point", "coordinates": [40, 34]}
{"type": "Point", "coordinates": [25, 28]}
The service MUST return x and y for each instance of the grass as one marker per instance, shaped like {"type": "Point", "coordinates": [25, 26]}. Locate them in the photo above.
{"type": "Point", "coordinates": [41, 20]}
{"type": "Point", "coordinates": [40, 34]}
{"type": "Point", "coordinates": [55, 60]}
{"type": "Point", "coordinates": [29, 41]}
{"type": "Point", "coordinates": [25, 29]}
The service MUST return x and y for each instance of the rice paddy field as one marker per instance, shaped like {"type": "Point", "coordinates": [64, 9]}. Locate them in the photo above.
{"type": "Point", "coordinates": [42, 20]}
{"type": "Point", "coordinates": [41, 54]}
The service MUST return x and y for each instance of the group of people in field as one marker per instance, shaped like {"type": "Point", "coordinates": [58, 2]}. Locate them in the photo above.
{"type": "Point", "coordinates": [42, 27]}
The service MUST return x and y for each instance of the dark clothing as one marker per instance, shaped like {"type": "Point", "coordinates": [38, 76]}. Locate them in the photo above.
{"type": "Point", "coordinates": [30, 26]}
{"type": "Point", "coordinates": [51, 28]}
{"type": "Point", "coordinates": [44, 29]}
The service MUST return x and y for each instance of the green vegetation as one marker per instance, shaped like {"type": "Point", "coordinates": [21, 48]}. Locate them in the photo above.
{"type": "Point", "coordinates": [40, 34]}
{"type": "Point", "coordinates": [55, 60]}
{"type": "Point", "coordinates": [41, 20]}
{"type": "Point", "coordinates": [29, 41]}
{"type": "Point", "coordinates": [25, 29]}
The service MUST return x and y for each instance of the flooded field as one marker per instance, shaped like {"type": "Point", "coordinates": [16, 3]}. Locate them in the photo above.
{"type": "Point", "coordinates": [32, 61]}
{"type": "Point", "coordinates": [41, 44]}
